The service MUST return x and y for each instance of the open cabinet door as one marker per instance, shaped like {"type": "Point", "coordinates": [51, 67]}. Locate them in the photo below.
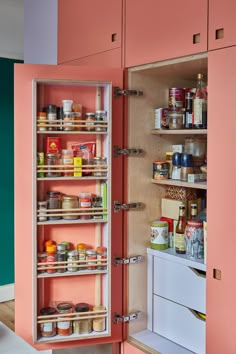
{"type": "Point", "coordinates": [96, 281]}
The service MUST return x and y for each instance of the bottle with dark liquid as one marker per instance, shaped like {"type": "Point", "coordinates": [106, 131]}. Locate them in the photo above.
{"type": "Point", "coordinates": [200, 105]}
{"type": "Point", "coordinates": [193, 212]}
{"type": "Point", "coordinates": [188, 121]}
{"type": "Point", "coordinates": [180, 243]}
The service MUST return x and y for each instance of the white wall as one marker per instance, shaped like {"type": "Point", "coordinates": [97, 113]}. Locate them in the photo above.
{"type": "Point", "coordinates": [12, 29]}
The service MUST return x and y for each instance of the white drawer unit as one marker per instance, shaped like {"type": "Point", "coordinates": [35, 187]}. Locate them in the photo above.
{"type": "Point", "coordinates": [179, 324]}
{"type": "Point", "coordinates": [180, 283]}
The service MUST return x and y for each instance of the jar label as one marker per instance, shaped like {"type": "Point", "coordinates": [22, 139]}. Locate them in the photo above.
{"type": "Point", "coordinates": [46, 327]}
{"type": "Point", "coordinates": [85, 204]}
{"type": "Point", "coordinates": [180, 242]}
{"type": "Point", "coordinates": [63, 325]}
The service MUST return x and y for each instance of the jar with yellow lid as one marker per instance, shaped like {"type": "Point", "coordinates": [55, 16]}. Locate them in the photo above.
{"type": "Point", "coordinates": [81, 249]}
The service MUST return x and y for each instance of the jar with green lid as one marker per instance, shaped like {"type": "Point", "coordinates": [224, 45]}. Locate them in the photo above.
{"type": "Point", "coordinates": [159, 235]}
{"type": "Point", "coordinates": [82, 326]}
{"type": "Point", "coordinates": [64, 327]}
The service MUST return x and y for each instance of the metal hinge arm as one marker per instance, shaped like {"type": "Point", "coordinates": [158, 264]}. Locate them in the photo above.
{"type": "Point", "coordinates": [130, 260]}
{"type": "Point", "coordinates": [126, 206]}
{"type": "Point", "coordinates": [118, 151]}
{"type": "Point", "coordinates": [118, 92]}
{"type": "Point", "coordinates": [126, 318]}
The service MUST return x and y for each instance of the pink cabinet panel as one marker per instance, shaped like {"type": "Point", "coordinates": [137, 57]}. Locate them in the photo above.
{"type": "Point", "coordinates": [221, 241]}
{"type": "Point", "coordinates": [87, 27]}
{"type": "Point", "coordinates": [157, 30]}
{"type": "Point", "coordinates": [222, 29]}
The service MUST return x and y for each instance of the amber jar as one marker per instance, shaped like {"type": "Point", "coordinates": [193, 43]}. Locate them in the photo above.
{"type": "Point", "coordinates": [48, 329]}
{"type": "Point", "coordinates": [82, 326]}
{"type": "Point", "coordinates": [64, 327]}
{"type": "Point", "coordinates": [69, 202]}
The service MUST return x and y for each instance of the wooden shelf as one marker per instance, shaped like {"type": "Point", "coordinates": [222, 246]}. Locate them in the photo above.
{"type": "Point", "coordinates": [71, 222]}
{"type": "Point", "coordinates": [179, 132]}
{"type": "Point", "coordinates": [71, 274]}
{"type": "Point", "coordinates": [170, 182]}
{"type": "Point", "coordinates": [72, 337]}
{"type": "Point", "coordinates": [70, 132]}
{"type": "Point", "coordinates": [71, 178]}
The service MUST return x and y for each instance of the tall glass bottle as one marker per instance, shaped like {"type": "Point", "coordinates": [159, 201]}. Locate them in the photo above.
{"type": "Point", "coordinates": [180, 244]}
{"type": "Point", "coordinates": [200, 105]}
{"type": "Point", "coordinates": [193, 212]}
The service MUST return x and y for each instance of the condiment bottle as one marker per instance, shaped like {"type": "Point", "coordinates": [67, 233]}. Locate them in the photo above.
{"type": "Point", "coordinates": [180, 244]}
{"type": "Point", "coordinates": [193, 212]}
{"type": "Point", "coordinates": [61, 257]}
{"type": "Point", "coordinates": [200, 105]}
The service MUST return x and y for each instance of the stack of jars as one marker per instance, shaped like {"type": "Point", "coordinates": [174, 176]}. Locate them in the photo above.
{"type": "Point", "coordinates": [79, 325]}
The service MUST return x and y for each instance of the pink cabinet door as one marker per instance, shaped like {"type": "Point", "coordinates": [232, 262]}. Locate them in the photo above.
{"type": "Point", "coordinates": [78, 83]}
{"type": "Point", "coordinates": [221, 240]}
{"type": "Point", "coordinates": [87, 27]}
{"type": "Point", "coordinates": [222, 29]}
{"type": "Point", "coordinates": [157, 30]}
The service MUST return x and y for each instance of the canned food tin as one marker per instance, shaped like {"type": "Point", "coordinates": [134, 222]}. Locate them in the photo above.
{"type": "Point", "coordinates": [194, 239]}
{"type": "Point", "coordinates": [160, 170]}
{"type": "Point", "coordinates": [176, 98]}
{"type": "Point", "coordinates": [159, 235]}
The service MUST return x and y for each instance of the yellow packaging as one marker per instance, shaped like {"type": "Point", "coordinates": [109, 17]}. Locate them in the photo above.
{"type": "Point", "coordinates": [77, 166]}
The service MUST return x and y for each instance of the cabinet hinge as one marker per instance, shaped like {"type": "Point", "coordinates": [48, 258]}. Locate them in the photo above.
{"type": "Point", "coordinates": [126, 318]}
{"type": "Point", "coordinates": [126, 206]}
{"type": "Point", "coordinates": [130, 260]}
{"type": "Point", "coordinates": [118, 151]}
{"type": "Point", "coordinates": [118, 92]}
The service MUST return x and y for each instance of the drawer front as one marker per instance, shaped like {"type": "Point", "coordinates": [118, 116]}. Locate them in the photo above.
{"type": "Point", "coordinates": [178, 324]}
{"type": "Point", "coordinates": [179, 283]}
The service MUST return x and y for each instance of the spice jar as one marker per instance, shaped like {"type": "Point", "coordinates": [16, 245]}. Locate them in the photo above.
{"type": "Point", "coordinates": [42, 207]}
{"type": "Point", "coordinates": [60, 117]}
{"type": "Point", "coordinates": [89, 121]}
{"type": "Point", "coordinates": [100, 166]}
{"type": "Point", "coordinates": [40, 162]}
{"type": "Point", "coordinates": [69, 202]}
{"type": "Point", "coordinates": [53, 160]}
{"type": "Point", "coordinates": [68, 121]}
{"type": "Point", "coordinates": [51, 258]}
{"type": "Point", "coordinates": [101, 257]}
{"type": "Point", "coordinates": [52, 116]}
{"type": "Point", "coordinates": [97, 203]}
{"type": "Point", "coordinates": [61, 257]}
{"type": "Point", "coordinates": [91, 257]}
{"type": "Point", "coordinates": [85, 202]}
{"type": "Point", "coordinates": [81, 248]}
{"type": "Point", "coordinates": [99, 323]}
{"type": "Point", "coordinates": [82, 326]}
{"type": "Point", "coordinates": [176, 120]}
{"type": "Point", "coordinates": [68, 161]}
{"type": "Point", "coordinates": [100, 117]}
{"type": "Point", "coordinates": [64, 327]}
{"type": "Point", "coordinates": [54, 202]}
{"type": "Point", "coordinates": [41, 118]}
{"type": "Point", "coordinates": [42, 258]}
{"type": "Point", "coordinates": [72, 265]}
{"type": "Point", "coordinates": [48, 329]}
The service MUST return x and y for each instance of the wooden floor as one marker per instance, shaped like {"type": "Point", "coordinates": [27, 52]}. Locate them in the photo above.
{"type": "Point", "coordinates": [7, 315]}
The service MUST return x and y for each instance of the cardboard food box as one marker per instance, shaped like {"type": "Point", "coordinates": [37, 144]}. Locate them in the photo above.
{"type": "Point", "coordinates": [170, 207]}
{"type": "Point", "coordinates": [181, 193]}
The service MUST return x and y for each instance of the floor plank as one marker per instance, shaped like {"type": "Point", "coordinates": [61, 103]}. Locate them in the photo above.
{"type": "Point", "coordinates": [7, 314]}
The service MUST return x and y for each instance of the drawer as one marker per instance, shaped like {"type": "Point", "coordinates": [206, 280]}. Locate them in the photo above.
{"type": "Point", "coordinates": [180, 283]}
{"type": "Point", "coordinates": [179, 324]}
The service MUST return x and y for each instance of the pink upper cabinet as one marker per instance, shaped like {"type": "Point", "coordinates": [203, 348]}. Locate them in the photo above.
{"type": "Point", "coordinates": [222, 29]}
{"type": "Point", "coordinates": [157, 30]}
{"type": "Point", "coordinates": [88, 27]}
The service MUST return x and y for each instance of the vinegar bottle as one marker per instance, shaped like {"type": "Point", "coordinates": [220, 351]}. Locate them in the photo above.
{"type": "Point", "coordinates": [180, 244]}
{"type": "Point", "coordinates": [200, 105]}
{"type": "Point", "coordinates": [193, 212]}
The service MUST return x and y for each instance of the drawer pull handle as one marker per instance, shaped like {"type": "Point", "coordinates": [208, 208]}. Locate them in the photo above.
{"type": "Point", "coordinates": [219, 34]}
{"type": "Point", "coordinates": [196, 38]}
{"type": "Point", "coordinates": [198, 272]}
{"type": "Point", "coordinates": [200, 316]}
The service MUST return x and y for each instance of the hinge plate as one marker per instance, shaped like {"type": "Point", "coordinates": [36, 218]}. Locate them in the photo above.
{"type": "Point", "coordinates": [118, 151]}
{"type": "Point", "coordinates": [126, 318]}
{"type": "Point", "coordinates": [118, 92]}
{"type": "Point", "coordinates": [129, 260]}
{"type": "Point", "coordinates": [126, 206]}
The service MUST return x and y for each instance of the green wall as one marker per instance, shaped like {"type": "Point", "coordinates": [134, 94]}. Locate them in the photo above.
{"type": "Point", "coordinates": [7, 170]}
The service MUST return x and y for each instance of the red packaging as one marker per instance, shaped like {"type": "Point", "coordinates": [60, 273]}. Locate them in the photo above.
{"type": "Point", "coordinates": [87, 151]}
{"type": "Point", "coordinates": [53, 145]}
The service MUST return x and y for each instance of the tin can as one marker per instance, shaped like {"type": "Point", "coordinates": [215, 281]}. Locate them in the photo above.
{"type": "Point", "coordinates": [161, 118]}
{"type": "Point", "coordinates": [160, 170]}
{"type": "Point", "coordinates": [159, 235]}
{"type": "Point", "coordinates": [176, 98]}
{"type": "Point", "coordinates": [194, 239]}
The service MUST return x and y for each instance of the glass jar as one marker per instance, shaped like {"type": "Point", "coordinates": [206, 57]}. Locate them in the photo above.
{"type": "Point", "coordinates": [42, 258]}
{"type": "Point", "coordinates": [54, 202]}
{"type": "Point", "coordinates": [101, 257]}
{"type": "Point", "coordinates": [68, 161]}
{"type": "Point", "coordinates": [100, 164]}
{"type": "Point", "coordinates": [41, 118]}
{"type": "Point", "coordinates": [85, 202]}
{"type": "Point", "coordinates": [72, 257]}
{"type": "Point", "coordinates": [97, 203]}
{"type": "Point", "coordinates": [89, 121]}
{"type": "Point", "coordinates": [69, 202]}
{"type": "Point", "coordinates": [51, 258]}
{"type": "Point", "coordinates": [100, 117]}
{"type": "Point", "coordinates": [48, 329]}
{"type": "Point", "coordinates": [81, 248]}
{"type": "Point", "coordinates": [82, 326]}
{"type": "Point", "coordinates": [61, 257]}
{"type": "Point", "coordinates": [42, 207]}
{"type": "Point", "coordinates": [52, 116]}
{"type": "Point", "coordinates": [64, 328]}
{"type": "Point", "coordinates": [53, 160]}
{"type": "Point", "coordinates": [99, 323]}
{"type": "Point", "coordinates": [68, 121]}
{"type": "Point", "coordinates": [91, 257]}
{"type": "Point", "coordinates": [176, 120]}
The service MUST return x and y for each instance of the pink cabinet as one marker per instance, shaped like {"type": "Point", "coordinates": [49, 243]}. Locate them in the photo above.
{"type": "Point", "coordinates": [221, 243]}
{"type": "Point", "coordinates": [222, 31]}
{"type": "Point", "coordinates": [157, 30]}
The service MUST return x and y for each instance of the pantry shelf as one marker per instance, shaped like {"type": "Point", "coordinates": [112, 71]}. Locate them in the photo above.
{"type": "Point", "coordinates": [79, 221]}
{"type": "Point", "coordinates": [71, 274]}
{"type": "Point", "coordinates": [47, 132]}
{"type": "Point", "coordinates": [70, 178]}
{"type": "Point", "coordinates": [179, 132]}
{"type": "Point", "coordinates": [170, 182]}
{"type": "Point", "coordinates": [72, 337]}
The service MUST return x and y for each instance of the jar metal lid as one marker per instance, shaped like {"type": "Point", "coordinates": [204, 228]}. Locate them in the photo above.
{"type": "Point", "coordinates": [69, 197]}
{"type": "Point", "coordinates": [73, 253]}
{"type": "Point", "coordinates": [82, 307]}
{"type": "Point", "coordinates": [45, 311]}
{"type": "Point", "coordinates": [53, 194]}
{"type": "Point", "coordinates": [90, 252]}
{"type": "Point", "coordinates": [64, 306]}
{"type": "Point", "coordinates": [61, 247]}
{"type": "Point", "coordinates": [90, 114]}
